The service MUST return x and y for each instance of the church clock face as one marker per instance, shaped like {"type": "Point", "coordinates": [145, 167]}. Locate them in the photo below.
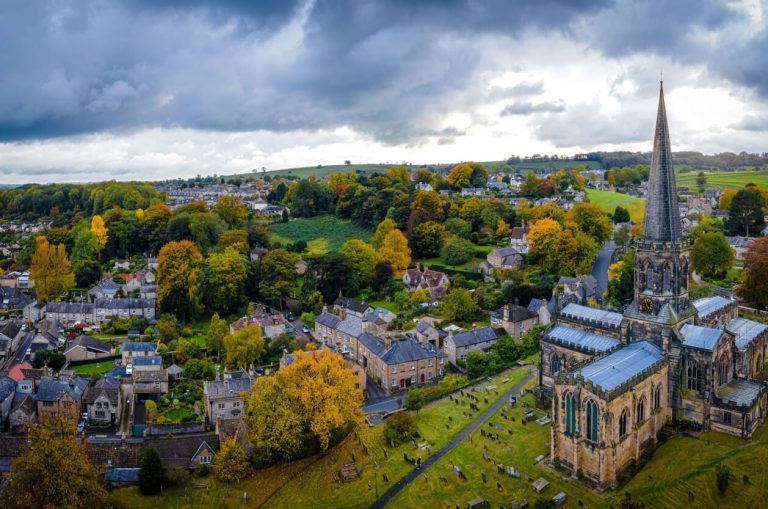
{"type": "Point", "coordinates": [647, 306]}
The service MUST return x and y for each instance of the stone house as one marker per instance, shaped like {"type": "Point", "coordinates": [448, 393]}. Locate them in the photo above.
{"type": "Point", "coordinates": [426, 332]}
{"type": "Point", "coordinates": [150, 382]}
{"type": "Point", "coordinates": [23, 413]}
{"type": "Point", "coordinates": [225, 397]}
{"type": "Point", "coordinates": [740, 246]}
{"type": "Point", "coordinates": [397, 364]}
{"type": "Point", "coordinates": [344, 306]}
{"type": "Point", "coordinates": [60, 397]}
{"type": "Point", "coordinates": [103, 401]}
{"type": "Point", "coordinates": [457, 345]}
{"type": "Point", "coordinates": [515, 319]}
{"type": "Point", "coordinates": [187, 452]}
{"type": "Point", "coordinates": [7, 394]}
{"type": "Point", "coordinates": [10, 336]}
{"type": "Point", "coordinates": [34, 311]}
{"type": "Point", "coordinates": [505, 258]}
{"type": "Point", "coordinates": [137, 349]}
{"type": "Point", "coordinates": [69, 313]}
{"type": "Point", "coordinates": [85, 348]}
{"type": "Point", "coordinates": [543, 309]}
{"type": "Point", "coordinates": [518, 239]}
{"type": "Point", "coordinates": [432, 280]}
{"type": "Point", "coordinates": [107, 309]}
{"type": "Point", "coordinates": [271, 322]}
{"type": "Point", "coordinates": [147, 363]}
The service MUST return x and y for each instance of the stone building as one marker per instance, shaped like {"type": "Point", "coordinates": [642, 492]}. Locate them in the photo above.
{"type": "Point", "coordinates": [396, 364]}
{"type": "Point", "coordinates": [225, 397]}
{"type": "Point", "coordinates": [60, 398]}
{"type": "Point", "coordinates": [617, 379]}
{"type": "Point", "coordinates": [458, 345]}
{"type": "Point", "coordinates": [103, 401]}
{"type": "Point", "coordinates": [515, 319]}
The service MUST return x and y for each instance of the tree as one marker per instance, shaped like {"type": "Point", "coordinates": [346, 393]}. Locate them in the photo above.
{"type": "Point", "coordinates": [54, 471]}
{"type": "Point", "coordinates": [620, 215]}
{"type": "Point", "coordinates": [460, 176]}
{"type": "Point", "coordinates": [503, 230]}
{"type": "Point", "coordinates": [199, 369]}
{"type": "Point", "coordinates": [278, 275]}
{"type": "Point", "coordinates": [476, 364]}
{"type": "Point", "coordinates": [233, 210]}
{"type": "Point", "coordinates": [312, 398]}
{"type": "Point", "coordinates": [50, 358]}
{"type": "Point", "coordinates": [180, 279]}
{"type": "Point", "coordinates": [427, 239]}
{"type": "Point", "coordinates": [621, 286]}
{"type": "Point", "coordinates": [726, 198]}
{"type": "Point", "coordinates": [330, 274]}
{"type": "Point", "coordinates": [394, 250]}
{"type": "Point", "coordinates": [430, 201]}
{"type": "Point", "coordinates": [216, 334]}
{"type": "Point", "coordinates": [87, 273]}
{"type": "Point", "coordinates": [530, 186]}
{"type": "Point", "coordinates": [225, 277]}
{"type": "Point", "coordinates": [755, 286]}
{"type": "Point", "coordinates": [362, 257]}
{"type": "Point", "coordinates": [723, 476]}
{"type": "Point", "coordinates": [234, 238]}
{"type": "Point", "coordinates": [400, 174]}
{"type": "Point", "coordinates": [382, 230]}
{"type": "Point", "coordinates": [459, 304]}
{"type": "Point", "coordinates": [711, 255]}
{"type": "Point", "coordinates": [591, 219]}
{"type": "Point", "coordinates": [50, 269]}
{"type": "Point", "coordinates": [458, 227]}
{"type": "Point", "coordinates": [382, 275]}
{"type": "Point", "coordinates": [745, 214]}
{"type": "Point", "coordinates": [414, 400]}
{"type": "Point", "coordinates": [152, 475]}
{"type": "Point", "coordinates": [245, 346]}
{"type": "Point", "coordinates": [400, 428]}
{"type": "Point", "coordinates": [167, 328]}
{"type": "Point", "coordinates": [99, 230]}
{"type": "Point", "coordinates": [231, 463]}
{"type": "Point", "coordinates": [457, 251]}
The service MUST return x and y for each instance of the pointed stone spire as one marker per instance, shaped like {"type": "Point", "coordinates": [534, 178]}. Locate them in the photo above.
{"type": "Point", "coordinates": [662, 213]}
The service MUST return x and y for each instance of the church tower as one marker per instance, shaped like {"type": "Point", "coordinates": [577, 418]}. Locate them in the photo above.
{"type": "Point", "coordinates": [662, 255]}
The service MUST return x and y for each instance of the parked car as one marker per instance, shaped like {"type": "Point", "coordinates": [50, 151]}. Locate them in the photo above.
{"type": "Point", "coordinates": [305, 329]}
{"type": "Point", "coordinates": [290, 317]}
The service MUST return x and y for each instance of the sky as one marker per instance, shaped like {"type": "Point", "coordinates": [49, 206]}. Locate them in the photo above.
{"type": "Point", "coordinates": [152, 89]}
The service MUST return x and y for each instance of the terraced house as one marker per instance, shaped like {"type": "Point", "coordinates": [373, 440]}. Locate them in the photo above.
{"type": "Point", "coordinates": [398, 363]}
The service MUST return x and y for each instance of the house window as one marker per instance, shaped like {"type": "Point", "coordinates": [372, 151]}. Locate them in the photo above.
{"type": "Point", "coordinates": [641, 410]}
{"type": "Point", "coordinates": [394, 369]}
{"type": "Point", "coordinates": [413, 367]}
{"type": "Point", "coordinates": [570, 414]}
{"type": "Point", "coordinates": [47, 403]}
{"type": "Point", "coordinates": [429, 375]}
{"type": "Point", "coordinates": [67, 404]}
{"type": "Point", "coordinates": [430, 363]}
{"type": "Point", "coordinates": [221, 405]}
{"type": "Point", "coordinates": [100, 414]}
{"type": "Point", "coordinates": [235, 404]}
{"type": "Point", "coordinates": [727, 417]}
{"type": "Point", "coordinates": [413, 379]}
{"type": "Point", "coordinates": [205, 460]}
{"type": "Point", "coordinates": [623, 422]}
{"type": "Point", "coordinates": [593, 415]}
{"type": "Point", "coordinates": [657, 398]}
{"type": "Point", "coordinates": [394, 383]}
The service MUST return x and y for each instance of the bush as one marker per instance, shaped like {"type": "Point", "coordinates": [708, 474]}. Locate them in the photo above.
{"type": "Point", "coordinates": [400, 428]}
{"type": "Point", "coordinates": [177, 476]}
{"type": "Point", "coordinates": [457, 251]}
{"type": "Point", "coordinates": [414, 400]}
{"type": "Point", "coordinates": [723, 474]}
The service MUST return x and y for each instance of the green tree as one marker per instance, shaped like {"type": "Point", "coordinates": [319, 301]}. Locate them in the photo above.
{"type": "Point", "coordinates": [87, 273]}
{"type": "Point", "coordinates": [216, 334]}
{"type": "Point", "coordinates": [591, 220]}
{"type": "Point", "coordinates": [745, 215]}
{"type": "Point", "coordinates": [430, 201]}
{"type": "Point", "coordinates": [427, 239]}
{"type": "Point", "coordinates": [233, 210]}
{"type": "Point", "coordinates": [459, 304]}
{"type": "Point", "coordinates": [152, 475]}
{"type": "Point", "coordinates": [620, 215]}
{"type": "Point", "coordinates": [711, 255]}
{"type": "Point", "coordinates": [400, 428]}
{"type": "Point", "coordinates": [54, 471]}
{"type": "Point", "coordinates": [414, 399]}
{"type": "Point", "coordinates": [723, 476]}
{"type": "Point", "coordinates": [278, 275]}
{"type": "Point", "coordinates": [476, 364]}
{"type": "Point", "coordinates": [331, 274]}
{"type": "Point", "coordinates": [245, 346]}
{"type": "Point", "coordinates": [167, 327]}
{"type": "Point", "coordinates": [458, 227]}
{"type": "Point", "coordinates": [362, 257]}
{"type": "Point", "coordinates": [457, 251]}
{"type": "Point", "coordinates": [180, 279]}
{"type": "Point", "coordinates": [234, 238]}
{"type": "Point", "coordinates": [225, 277]}
{"type": "Point", "coordinates": [701, 181]}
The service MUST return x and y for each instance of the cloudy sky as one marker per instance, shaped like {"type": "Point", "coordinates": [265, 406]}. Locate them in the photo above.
{"type": "Point", "coordinates": [153, 89]}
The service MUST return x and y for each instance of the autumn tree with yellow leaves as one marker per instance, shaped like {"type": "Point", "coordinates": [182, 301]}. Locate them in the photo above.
{"type": "Point", "coordinates": [311, 400]}
{"type": "Point", "coordinates": [100, 230]}
{"type": "Point", "coordinates": [394, 250]}
{"type": "Point", "coordinates": [245, 346]}
{"type": "Point", "coordinates": [231, 463]}
{"type": "Point", "coordinates": [50, 269]}
{"type": "Point", "coordinates": [180, 279]}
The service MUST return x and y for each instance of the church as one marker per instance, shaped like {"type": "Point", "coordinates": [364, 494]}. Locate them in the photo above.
{"type": "Point", "coordinates": [615, 380]}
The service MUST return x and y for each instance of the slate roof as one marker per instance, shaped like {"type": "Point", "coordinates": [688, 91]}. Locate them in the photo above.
{"type": "Point", "coordinates": [124, 303]}
{"type": "Point", "coordinates": [181, 449]}
{"type": "Point", "coordinates": [109, 387]}
{"type": "Point", "coordinates": [517, 313]}
{"type": "Point", "coordinates": [351, 304]}
{"type": "Point", "coordinates": [150, 376]}
{"type": "Point", "coordinates": [88, 343]}
{"type": "Point", "coordinates": [535, 305]}
{"type": "Point", "coordinates": [228, 386]}
{"type": "Point", "coordinates": [328, 320]}
{"type": "Point", "coordinates": [703, 338]}
{"type": "Point", "coordinates": [587, 313]}
{"type": "Point", "coordinates": [10, 329]}
{"type": "Point", "coordinates": [383, 313]}
{"type": "Point", "coordinates": [173, 370]}
{"type": "Point", "coordinates": [69, 308]}
{"type": "Point", "coordinates": [581, 339]}
{"type": "Point", "coordinates": [707, 306]}
{"type": "Point", "coordinates": [745, 331]}
{"type": "Point", "coordinates": [351, 325]}
{"type": "Point", "coordinates": [52, 390]}
{"type": "Point", "coordinates": [504, 251]}
{"type": "Point", "coordinates": [139, 346]}
{"type": "Point", "coordinates": [622, 365]}
{"type": "Point", "coordinates": [475, 336]}
{"type": "Point", "coordinates": [406, 350]}
{"type": "Point", "coordinates": [149, 360]}
{"type": "Point", "coordinates": [372, 343]}
{"type": "Point", "coordinates": [7, 387]}
{"type": "Point", "coordinates": [122, 475]}
{"type": "Point", "coordinates": [740, 392]}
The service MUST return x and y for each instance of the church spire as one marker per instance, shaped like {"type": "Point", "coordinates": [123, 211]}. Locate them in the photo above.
{"type": "Point", "coordinates": [662, 213]}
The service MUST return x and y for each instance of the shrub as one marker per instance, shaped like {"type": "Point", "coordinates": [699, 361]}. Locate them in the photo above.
{"type": "Point", "coordinates": [152, 476]}
{"type": "Point", "coordinates": [414, 400]}
{"type": "Point", "coordinates": [457, 251]}
{"type": "Point", "coordinates": [177, 476]}
{"type": "Point", "coordinates": [723, 474]}
{"type": "Point", "coordinates": [400, 428]}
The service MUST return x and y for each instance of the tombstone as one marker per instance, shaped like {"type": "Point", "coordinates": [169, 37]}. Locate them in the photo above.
{"type": "Point", "coordinates": [385, 478]}
{"type": "Point", "coordinates": [486, 457]}
{"type": "Point", "coordinates": [482, 474]}
{"type": "Point", "coordinates": [425, 477]}
{"type": "Point", "coordinates": [456, 401]}
{"type": "Point", "coordinates": [405, 457]}
{"type": "Point", "coordinates": [385, 454]}
{"type": "Point", "coordinates": [447, 426]}
{"type": "Point", "coordinates": [500, 469]}
{"type": "Point", "coordinates": [354, 460]}
{"type": "Point", "coordinates": [485, 400]}
{"type": "Point", "coordinates": [498, 486]}
{"type": "Point", "coordinates": [450, 418]}
{"type": "Point", "coordinates": [418, 462]}
{"type": "Point", "coordinates": [482, 432]}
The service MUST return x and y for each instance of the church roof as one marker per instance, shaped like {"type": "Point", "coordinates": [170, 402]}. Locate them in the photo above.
{"type": "Point", "coordinates": [707, 306]}
{"type": "Point", "coordinates": [581, 339]}
{"type": "Point", "coordinates": [578, 311]}
{"type": "Point", "coordinates": [745, 331]}
{"type": "Point", "coordinates": [703, 338]}
{"type": "Point", "coordinates": [662, 212]}
{"type": "Point", "coordinates": [622, 365]}
{"type": "Point", "coordinates": [740, 392]}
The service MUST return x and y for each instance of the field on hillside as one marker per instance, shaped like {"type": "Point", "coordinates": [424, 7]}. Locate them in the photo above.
{"type": "Point", "coordinates": [608, 201]}
{"type": "Point", "coordinates": [724, 179]}
{"type": "Point", "coordinates": [322, 233]}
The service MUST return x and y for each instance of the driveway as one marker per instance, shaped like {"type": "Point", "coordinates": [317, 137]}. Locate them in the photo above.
{"type": "Point", "coordinates": [602, 262]}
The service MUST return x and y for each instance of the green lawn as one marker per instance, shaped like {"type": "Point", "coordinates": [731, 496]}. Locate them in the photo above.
{"type": "Point", "coordinates": [609, 200]}
{"type": "Point", "coordinates": [386, 304]}
{"type": "Point", "coordinates": [322, 233]}
{"type": "Point", "coordinates": [724, 179]}
{"type": "Point", "coordinates": [94, 369]}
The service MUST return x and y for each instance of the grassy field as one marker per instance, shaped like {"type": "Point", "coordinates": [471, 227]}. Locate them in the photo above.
{"type": "Point", "coordinates": [311, 482]}
{"type": "Point", "coordinates": [322, 233]}
{"type": "Point", "coordinates": [724, 179]}
{"type": "Point", "coordinates": [94, 369]}
{"type": "Point", "coordinates": [608, 201]}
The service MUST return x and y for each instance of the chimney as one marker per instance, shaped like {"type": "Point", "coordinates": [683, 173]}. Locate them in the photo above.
{"type": "Point", "coordinates": [506, 312]}
{"type": "Point", "coordinates": [342, 312]}
{"type": "Point", "coordinates": [123, 440]}
{"type": "Point", "coordinates": [366, 327]}
{"type": "Point", "coordinates": [218, 424]}
{"type": "Point", "coordinates": [387, 341]}
{"type": "Point", "coordinates": [218, 372]}
{"type": "Point", "coordinates": [325, 308]}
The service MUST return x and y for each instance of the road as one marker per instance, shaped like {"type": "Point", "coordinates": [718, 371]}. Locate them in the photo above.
{"type": "Point", "coordinates": [402, 483]}
{"type": "Point", "coordinates": [602, 262]}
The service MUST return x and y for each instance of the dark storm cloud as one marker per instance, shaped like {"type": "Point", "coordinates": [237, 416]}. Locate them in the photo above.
{"type": "Point", "coordinates": [526, 108]}
{"type": "Point", "coordinates": [385, 68]}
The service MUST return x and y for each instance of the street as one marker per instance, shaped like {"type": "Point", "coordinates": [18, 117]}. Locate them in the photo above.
{"type": "Point", "coordinates": [602, 262]}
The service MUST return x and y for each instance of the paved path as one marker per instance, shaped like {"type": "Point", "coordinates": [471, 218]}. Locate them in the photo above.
{"type": "Point", "coordinates": [402, 483]}
{"type": "Point", "coordinates": [602, 262]}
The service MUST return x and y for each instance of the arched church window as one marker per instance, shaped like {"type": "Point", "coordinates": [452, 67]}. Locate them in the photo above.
{"type": "Point", "coordinates": [648, 276]}
{"type": "Point", "coordinates": [623, 422]}
{"type": "Point", "coordinates": [657, 398]}
{"type": "Point", "coordinates": [570, 414]}
{"type": "Point", "coordinates": [641, 410]}
{"type": "Point", "coordinates": [694, 377]}
{"type": "Point", "coordinates": [593, 414]}
{"type": "Point", "coordinates": [667, 282]}
{"type": "Point", "coordinates": [555, 362]}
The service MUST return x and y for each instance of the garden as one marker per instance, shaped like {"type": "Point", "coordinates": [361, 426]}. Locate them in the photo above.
{"type": "Point", "coordinates": [181, 404]}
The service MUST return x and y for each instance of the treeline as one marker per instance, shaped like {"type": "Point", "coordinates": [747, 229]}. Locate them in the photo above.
{"type": "Point", "coordinates": [64, 201]}
{"type": "Point", "coordinates": [722, 161]}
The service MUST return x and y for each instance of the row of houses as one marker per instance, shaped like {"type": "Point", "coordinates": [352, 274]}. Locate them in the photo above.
{"type": "Point", "coordinates": [96, 313]}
